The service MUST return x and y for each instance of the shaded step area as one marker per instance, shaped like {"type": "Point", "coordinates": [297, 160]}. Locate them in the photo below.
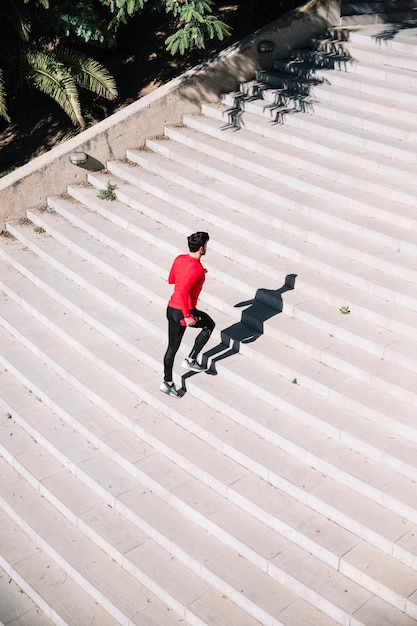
{"type": "Point", "coordinates": [16, 605]}
{"type": "Point", "coordinates": [47, 584]}
{"type": "Point", "coordinates": [126, 492]}
{"type": "Point", "coordinates": [376, 11]}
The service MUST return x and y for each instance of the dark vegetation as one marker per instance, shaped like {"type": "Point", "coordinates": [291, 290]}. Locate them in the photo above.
{"type": "Point", "coordinates": [139, 63]}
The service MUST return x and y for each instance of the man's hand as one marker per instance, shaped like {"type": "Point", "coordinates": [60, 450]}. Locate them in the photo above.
{"type": "Point", "coordinates": [190, 321]}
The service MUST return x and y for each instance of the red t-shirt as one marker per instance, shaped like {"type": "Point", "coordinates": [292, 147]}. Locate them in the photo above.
{"type": "Point", "coordinates": [188, 275]}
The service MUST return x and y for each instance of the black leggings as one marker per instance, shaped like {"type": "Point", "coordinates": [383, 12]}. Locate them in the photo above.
{"type": "Point", "coordinates": [176, 333]}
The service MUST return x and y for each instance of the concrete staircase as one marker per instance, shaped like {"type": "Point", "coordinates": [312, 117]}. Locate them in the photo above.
{"type": "Point", "coordinates": [377, 11]}
{"type": "Point", "coordinates": [283, 490]}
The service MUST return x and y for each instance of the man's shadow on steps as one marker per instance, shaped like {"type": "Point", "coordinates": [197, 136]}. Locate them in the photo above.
{"type": "Point", "coordinates": [265, 304]}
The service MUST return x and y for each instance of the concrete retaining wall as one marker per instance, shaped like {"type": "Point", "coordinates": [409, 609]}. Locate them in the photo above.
{"type": "Point", "coordinates": [49, 174]}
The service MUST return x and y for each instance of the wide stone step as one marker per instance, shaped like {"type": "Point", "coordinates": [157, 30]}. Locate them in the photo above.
{"type": "Point", "coordinates": [395, 36]}
{"type": "Point", "coordinates": [381, 13]}
{"type": "Point", "coordinates": [126, 378]}
{"type": "Point", "coordinates": [177, 575]}
{"type": "Point", "coordinates": [309, 281]}
{"type": "Point", "coordinates": [257, 154]}
{"type": "Point", "coordinates": [16, 603]}
{"type": "Point", "coordinates": [82, 304]}
{"type": "Point", "coordinates": [313, 378]}
{"type": "Point", "coordinates": [347, 270]}
{"type": "Point", "coordinates": [372, 67]}
{"type": "Point", "coordinates": [366, 101]}
{"type": "Point", "coordinates": [364, 143]}
{"type": "Point", "coordinates": [306, 139]}
{"type": "Point", "coordinates": [341, 112]}
{"type": "Point", "coordinates": [362, 50]}
{"type": "Point", "coordinates": [122, 489]}
{"type": "Point", "coordinates": [405, 349]}
{"type": "Point", "coordinates": [44, 580]}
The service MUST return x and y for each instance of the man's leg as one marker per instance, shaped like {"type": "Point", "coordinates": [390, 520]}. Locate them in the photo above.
{"type": "Point", "coordinates": [175, 335]}
{"type": "Point", "coordinates": [207, 326]}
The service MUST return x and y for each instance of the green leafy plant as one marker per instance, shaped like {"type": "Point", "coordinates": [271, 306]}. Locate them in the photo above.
{"type": "Point", "coordinates": [194, 25]}
{"type": "Point", "coordinates": [345, 310]}
{"type": "Point", "coordinates": [108, 193]}
{"type": "Point", "coordinates": [39, 229]}
{"type": "Point", "coordinates": [294, 381]}
{"type": "Point", "coordinates": [36, 56]}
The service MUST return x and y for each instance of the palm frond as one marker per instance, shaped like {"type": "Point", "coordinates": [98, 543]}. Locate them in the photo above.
{"type": "Point", "coordinates": [53, 79]}
{"type": "Point", "coordinates": [88, 73]}
{"type": "Point", "coordinates": [3, 108]}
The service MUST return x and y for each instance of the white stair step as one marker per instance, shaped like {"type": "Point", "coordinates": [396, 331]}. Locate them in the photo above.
{"type": "Point", "coordinates": [84, 385]}
{"type": "Point", "coordinates": [372, 406]}
{"type": "Point", "coordinates": [21, 291]}
{"type": "Point", "coordinates": [392, 75]}
{"type": "Point", "coordinates": [370, 50]}
{"type": "Point", "coordinates": [340, 112]}
{"type": "Point", "coordinates": [309, 281]}
{"type": "Point", "coordinates": [145, 561]}
{"type": "Point", "coordinates": [125, 498]}
{"type": "Point", "coordinates": [365, 370]}
{"type": "Point", "coordinates": [265, 183]}
{"type": "Point", "coordinates": [17, 605]}
{"type": "Point", "coordinates": [393, 38]}
{"type": "Point", "coordinates": [49, 586]}
{"type": "Point", "coordinates": [306, 140]}
{"type": "Point", "coordinates": [357, 138]}
{"type": "Point", "coordinates": [262, 156]}
{"type": "Point", "coordinates": [347, 269]}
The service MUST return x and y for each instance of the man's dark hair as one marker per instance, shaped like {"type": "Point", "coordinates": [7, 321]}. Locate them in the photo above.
{"type": "Point", "coordinates": [197, 241]}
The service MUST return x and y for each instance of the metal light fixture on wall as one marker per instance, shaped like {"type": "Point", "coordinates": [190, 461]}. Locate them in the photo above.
{"type": "Point", "coordinates": [266, 46]}
{"type": "Point", "coordinates": [78, 158]}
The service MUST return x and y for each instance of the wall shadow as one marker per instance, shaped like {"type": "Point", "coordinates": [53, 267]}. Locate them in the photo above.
{"type": "Point", "coordinates": [266, 304]}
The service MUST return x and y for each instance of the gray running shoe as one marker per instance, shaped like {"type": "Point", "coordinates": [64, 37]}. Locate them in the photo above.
{"type": "Point", "coordinates": [193, 366]}
{"type": "Point", "coordinates": [170, 390]}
